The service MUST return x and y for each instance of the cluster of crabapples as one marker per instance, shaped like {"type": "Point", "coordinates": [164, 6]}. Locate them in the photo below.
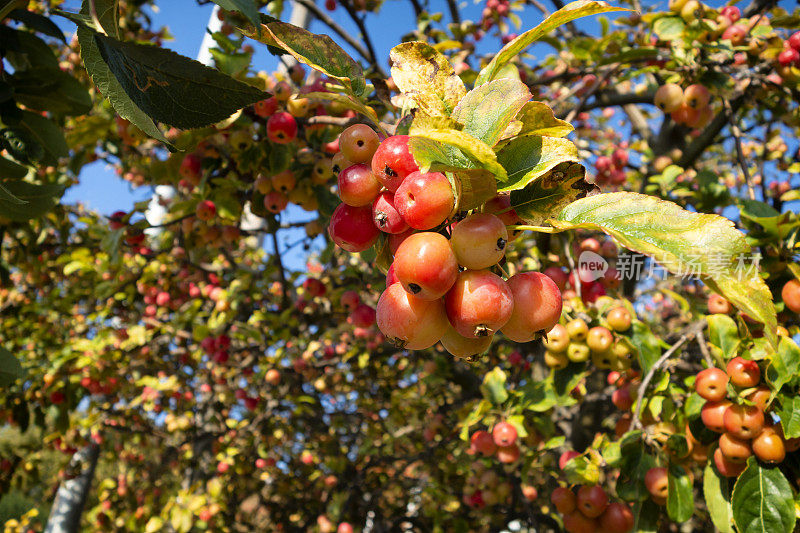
{"type": "Point", "coordinates": [690, 107]}
{"type": "Point", "coordinates": [603, 344]}
{"type": "Point", "coordinates": [744, 424]}
{"type": "Point", "coordinates": [501, 443]}
{"type": "Point", "coordinates": [440, 285]}
{"type": "Point", "coordinates": [588, 510]}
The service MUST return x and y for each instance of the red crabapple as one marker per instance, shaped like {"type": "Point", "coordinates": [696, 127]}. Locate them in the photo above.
{"type": "Point", "coordinates": [393, 162]}
{"type": "Point", "coordinates": [669, 97]}
{"type": "Point", "coordinates": [358, 143]}
{"type": "Point", "coordinates": [713, 415]}
{"type": "Point", "coordinates": [385, 214]}
{"type": "Point", "coordinates": [425, 265]}
{"type": "Point", "coordinates": [479, 303]}
{"type": "Point", "coordinates": [735, 449]}
{"type": "Point", "coordinates": [711, 384]}
{"type": "Point", "coordinates": [743, 373]}
{"type": "Point", "coordinates": [536, 306]}
{"type": "Point", "coordinates": [725, 466]}
{"type": "Point", "coordinates": [483, 442]}
{"type": "Point", "coordinates": [564, 500]}
{"type": "Point", "coordinates": [769, 446]}
{"type": "Point", "coordinates": [479, 241]}
{"type": "Point", "coordinates": [743, 421]}
{"type": "Point", "coordinates": [424, 200]}
{"type": "Point", "coordinates": [617, 518]}
{"type": "Point", "coordinates": [352, 229]}
{"type": "Point", "coordinates": [275, 202]}
{"type": "Point", "coordinates": [358, 186]}
{"type": "Point", "coordinates": [206, 210]}
{"type": "Point", "coordinates": [408, 321]}
{"type": "Point", "coordinates": [592, 500]}
{"type": "Point", "coordinates": [696, 96]}
{"type": "Point", "coordinates": [504, 434]}
{"type": "Point", "coordinates": [281, 128]}
{"type": "Point", "coordinates": [459, 346]}
{"type": "Point", "coordinates": [656, 481]}
{"type": "Point", "coordinates": [396, 239]}
{"type": "Point", "coordinates": [790, 294]}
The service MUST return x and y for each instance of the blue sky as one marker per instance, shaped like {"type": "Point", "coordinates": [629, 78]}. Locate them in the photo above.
{"type": "Point", "coordinates": [100, 189]}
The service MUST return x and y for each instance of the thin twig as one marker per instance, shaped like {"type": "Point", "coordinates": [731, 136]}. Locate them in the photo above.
{"type": "Point", "coordinates": [599, 82]}
{"type": "Point", "coordinates": [737, 136]}
{"type": "Point", "coordinates": [454, 14]}
{"type": "Point", "coordinates": [359, 21]}
{"type": "Point", "coordinates": [690, 332]}
{"type": "Point", "coordinates": [701, 341]}
{"type": "Point", "coordinates": [328, 21]}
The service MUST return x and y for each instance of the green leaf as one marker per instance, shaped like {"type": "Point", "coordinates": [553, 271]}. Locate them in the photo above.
{"type": "Point", "coordinates": [37, 200]}
{"type": "Point", "coordinates": [427, 77]}
{"type": "Point", "coordinates": [9, 170]}
{"type": "Point", "coordinates": [723, 334]}
{"type": "Point", "coordinates": [493, 387]}
{"type": "Point", "coordinates": [683, 242]}
{"type": "Point", "coordinates": [538, 119]}
{"type": "Point", "coordinates": [319, 52]}
{"type": "Point", "coordinates": [112, 89]}
{"type": "Point", "coordinates": [473, 162]}
{"type": "Point", "coordinates": [645, 516]}
{"type": "Point", "coordinates": [762, 500]}
{"type": "Point", "coordinates": [669, 28]}
{"type": "Point", "coordinates": [171, 88]}
{"type": "Point", "coordinates": [248, 8]}
{"type": "Point", "coordinates": [7, 6]}
{"type": "Point", "coordinates": [43, 131]}
{"type": "Point", "coordinates": [10, 369]}
{"type": "Point", "coordinates": [717, 494]}
{"type": "Point", "coordinates": [486, 111]}
{"type": "Point", "coordinates": [634, 464]}
{"type": "Point", "coordinates": [785, 364]}
{"type": "Point", "coordinates": [680, 504]}
{"type": "Point", "coordinates": [37, 22]}
{"type": "Point", "coordinates": [538, 396]}
{"type": "Point", "coordinates": [647, 345]}
{"type": "Point", "coordinates": [8, 197]}
{"type": "Point", "coordinates": [549, 194]}
{"type": "Point", "coordinates": [580, 470]}
{"type": "Point", "coordinates": [50, 89]}
{"type": "Point", "coordinates": [761, 213]}
{"type": "Point", "coordinates": [789, 414]}
{"type": "Point", "coordinates": [528, 158]}
{"type": "Point", "coordinates": [571, 11]}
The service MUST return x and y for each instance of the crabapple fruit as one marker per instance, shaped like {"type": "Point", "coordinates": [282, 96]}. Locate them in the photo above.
{"type": "Point", "coordinates": [424, 200]}
{"type": "Point", "coordinates": [358, 186]}
{"type": "Point", "coordinates": [479, 303]}
{"type": "Point", "coordinates": [281, 128]}
{"type": "Point", "coordinates": [358, 143]}
{"type": "Point", "coordinates": [408, 321]}
{"type": "Point", "coordinates": [711, 384]}
{"type": "Point", "coordinates": [459, 346]}
{"type": "Point", "coordinates": [393, 162]}
{"type": "Point", "coordinates": [352, 229]}
{"type": "Point", "coordinates": [743, 421]}
{"type": "Point", "coordinates": [743, 373]}
{"type": "Point", "coordinates": [536, 306]}
{"type": "Point", "coordinates": [385, 214]}
{"type": "Point", "coordinates": [479, 241]}
{"type": "Point", "coordinates": [425, 265]}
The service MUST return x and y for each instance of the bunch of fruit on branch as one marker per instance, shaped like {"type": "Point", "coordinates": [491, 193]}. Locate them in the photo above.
{"type": "Point", "coordinates": [446, 282]}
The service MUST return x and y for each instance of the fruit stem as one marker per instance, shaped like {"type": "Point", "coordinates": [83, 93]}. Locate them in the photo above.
{"type": "Point", "coordinates": [540, 229]}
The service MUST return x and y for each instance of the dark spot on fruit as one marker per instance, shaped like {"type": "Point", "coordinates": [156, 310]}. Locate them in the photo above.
{"type": "Point", "coordinates": [501, 243]}
{"type": "Point", "coordinates": [414, 288]}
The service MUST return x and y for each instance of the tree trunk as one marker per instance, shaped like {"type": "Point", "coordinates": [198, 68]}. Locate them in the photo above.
{"type": "Point", "coordinates": [65, 517]}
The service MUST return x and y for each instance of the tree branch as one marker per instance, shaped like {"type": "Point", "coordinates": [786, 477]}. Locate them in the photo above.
{"type": "Point", "coordinates": [328, 21]}
{"type": "Point", "coordinates": [706, 138]}
{"type": "Point", "coordinates": [690, 332]}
